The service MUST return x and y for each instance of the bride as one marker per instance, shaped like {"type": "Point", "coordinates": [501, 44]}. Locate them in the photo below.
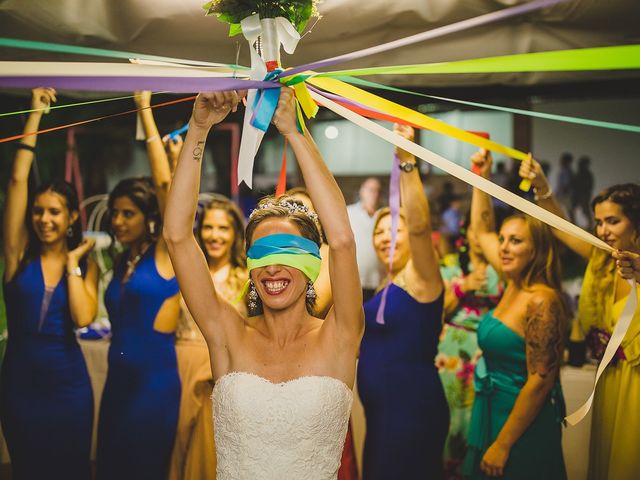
{"type": "Point", "coordinates": [283, 377]}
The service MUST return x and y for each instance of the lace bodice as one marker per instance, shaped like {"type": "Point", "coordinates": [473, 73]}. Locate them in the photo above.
{"type": "Point", "coordinates": [273, 431]}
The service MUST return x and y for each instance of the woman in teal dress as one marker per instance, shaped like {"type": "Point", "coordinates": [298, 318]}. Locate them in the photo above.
{"type": "Point", "coordinates": [518, 409]}
{"type": "Point", "coordinates": [473, 287]}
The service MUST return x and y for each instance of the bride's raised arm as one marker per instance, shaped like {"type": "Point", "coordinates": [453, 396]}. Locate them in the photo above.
{"type": "Point", "coordinates": [215, 317]}
{"type": "Point", "coordinates": [326, 196]}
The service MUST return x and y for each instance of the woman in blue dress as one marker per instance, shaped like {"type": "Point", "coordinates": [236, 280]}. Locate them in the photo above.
{"type": "Point", "coordinates": [141, 398]}
{"type": "Point", "coordinates": [405, 407]}
{"type": "Point", "coordinates": [46, 401]}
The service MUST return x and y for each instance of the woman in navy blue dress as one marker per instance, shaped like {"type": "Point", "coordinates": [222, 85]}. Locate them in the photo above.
{"type": "Point", "coordinates": [46, 401]}
{"type": "Point", "coordinates": [406, 411]}
{"type": "Point", "coordinates": [141, 398]}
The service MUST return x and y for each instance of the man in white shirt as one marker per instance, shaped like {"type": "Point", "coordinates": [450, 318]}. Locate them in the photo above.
{"type": "Point", "coordinates": [362, 218]}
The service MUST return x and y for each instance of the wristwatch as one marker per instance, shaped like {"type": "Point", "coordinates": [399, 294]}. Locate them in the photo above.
{"type": "Point", "coordinates": [407, 166]}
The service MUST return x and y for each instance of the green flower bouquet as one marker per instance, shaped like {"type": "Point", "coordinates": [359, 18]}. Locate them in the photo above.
{"type": "Point", "coordinates": [298, 12]}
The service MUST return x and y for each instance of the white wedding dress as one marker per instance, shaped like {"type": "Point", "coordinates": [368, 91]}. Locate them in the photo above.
{"type": "Point", "coordinates": [293, 430]}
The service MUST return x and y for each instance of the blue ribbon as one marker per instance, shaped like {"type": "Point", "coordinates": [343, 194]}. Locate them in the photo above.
{"type": "Point", "coordinates": [283, 243]}
{"type": "Point", "coordinates": [266, 102]}
{"type": "Point", "coordinates": [173, 135]}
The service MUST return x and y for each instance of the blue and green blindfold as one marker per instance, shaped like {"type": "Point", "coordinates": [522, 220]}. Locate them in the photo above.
{"type": "Point", "coordinates": [286, 249]}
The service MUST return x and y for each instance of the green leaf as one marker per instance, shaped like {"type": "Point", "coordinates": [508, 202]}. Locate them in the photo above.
{"type": "Point", "coordinates": [235, 29]}
{"type": "Point", "coordinates": [226, 17]}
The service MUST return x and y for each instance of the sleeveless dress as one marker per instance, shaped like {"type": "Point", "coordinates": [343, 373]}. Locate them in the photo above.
{"type": "Point", "coordinates": [46, 401]}
{"type": "Point", "coordinates": [405, 407]}
{"type": "Point", "coordinates": [141, 397]}
{"type": "Point", "coordinates": [613, 453]}
{"type": "Point", "coordinates": [499, 376]}
{"type": "Point", "coordinates": [274, 431]}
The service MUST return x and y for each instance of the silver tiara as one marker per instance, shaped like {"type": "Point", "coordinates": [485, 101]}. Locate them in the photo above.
{"type": "Point", "coordinates": [291, 207]}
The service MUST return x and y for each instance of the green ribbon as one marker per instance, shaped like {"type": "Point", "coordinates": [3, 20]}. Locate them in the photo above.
{"type": "Point", "coordinates": [67, 105]}
{"type": "Point", "coordinates": [620, 57]}
{"type": "Point", "coordinates": [306, 263]}
{"type": "Point", "coordinates": [548, 116]}
{"type": "Point", "coordinates": [100, 52]}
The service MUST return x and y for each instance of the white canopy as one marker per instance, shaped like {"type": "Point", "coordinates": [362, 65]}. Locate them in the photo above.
{"type": "Point", "coordinates": [178, 28]}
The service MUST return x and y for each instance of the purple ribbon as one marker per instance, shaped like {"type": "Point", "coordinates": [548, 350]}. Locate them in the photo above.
{"type": "Point", "coordinates": [199, 84]}
{"type": "Point", "coordinates": [394, 206]}
{"type": "Point", "coordinates": [129, 84]}
{"type": "Point", "coordinates": [429, 35]}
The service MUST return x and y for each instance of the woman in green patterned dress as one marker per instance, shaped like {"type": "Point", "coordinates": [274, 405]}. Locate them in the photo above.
{"type": "Point", "coordinates": [473, 287]}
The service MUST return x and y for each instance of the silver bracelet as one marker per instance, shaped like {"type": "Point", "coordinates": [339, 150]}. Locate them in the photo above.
{"type": "Point", "coordinates": [546, 196]}
{"type": "Point", "coordinates": [74, 272]}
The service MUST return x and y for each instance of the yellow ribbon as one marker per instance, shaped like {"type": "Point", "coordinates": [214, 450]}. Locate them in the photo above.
{"type": "Point", "coordinates": [378, 103]}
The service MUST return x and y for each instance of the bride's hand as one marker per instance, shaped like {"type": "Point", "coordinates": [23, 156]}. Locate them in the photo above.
{"type": "Point", "coordinates": [211, 108]}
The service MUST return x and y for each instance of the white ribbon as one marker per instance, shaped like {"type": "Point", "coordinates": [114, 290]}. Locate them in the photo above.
{"type": "Point", "coordinates": [274, 31]}
{"type": "Point", "coordinates": [514, 200]}
{"type": "Point", "coordinates": [463, 174]}
{"type": "Point", "coordinates": [620, 330]}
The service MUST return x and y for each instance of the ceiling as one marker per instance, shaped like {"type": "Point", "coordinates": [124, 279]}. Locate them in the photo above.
{"type": "Point", "coordinates": [178, 28]}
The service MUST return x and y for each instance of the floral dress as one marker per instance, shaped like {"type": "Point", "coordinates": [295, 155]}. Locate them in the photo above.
{"type": "Point", "coordinates": [458, 353]}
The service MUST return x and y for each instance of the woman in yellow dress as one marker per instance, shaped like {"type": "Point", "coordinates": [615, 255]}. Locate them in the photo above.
{"type": "Point", "coordinates": [614, 429]}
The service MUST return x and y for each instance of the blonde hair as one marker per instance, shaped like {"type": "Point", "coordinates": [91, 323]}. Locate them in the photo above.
{"type": "Point", "coordinates": [383, 212]}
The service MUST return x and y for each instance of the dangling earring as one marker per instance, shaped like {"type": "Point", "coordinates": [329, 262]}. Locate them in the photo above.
{"type": "Point", "coordinates": [311, 291]}
{"type": "Point", "coordinates": [152, 228]}
{"type": "Point", "coordinates": [69, 232]}
{"type": "Point", "coordinates": [252, 296]}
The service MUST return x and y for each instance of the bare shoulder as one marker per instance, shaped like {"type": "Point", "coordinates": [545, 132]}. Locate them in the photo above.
{"type": "Point", "coordinates": [541, 295]}
{"type": "Point", "coordinates": [545, 306]}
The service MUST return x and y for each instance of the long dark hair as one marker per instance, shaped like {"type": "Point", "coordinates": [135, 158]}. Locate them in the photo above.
{"type": "Point", "coordinates": [74, 235]}
{"type": "Point", "coordinates": [602, 264]}
{"type": "Point", "coordinates": [627, 195]}
{"type": "Point", "coordinates": [141, 192]}
{"type": "Point", "coordinates": [220, 202]}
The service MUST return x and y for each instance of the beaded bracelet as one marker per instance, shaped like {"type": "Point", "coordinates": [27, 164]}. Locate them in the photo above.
{"type": "Point", "coordinates": [537, 197]}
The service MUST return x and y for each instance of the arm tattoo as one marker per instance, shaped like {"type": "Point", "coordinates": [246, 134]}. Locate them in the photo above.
{"type": "Point", "coordinates": [198, 150]}
{"type": "Point", "coordinates": [544, 337]}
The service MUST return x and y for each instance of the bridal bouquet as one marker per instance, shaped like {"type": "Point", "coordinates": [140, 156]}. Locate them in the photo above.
{"type": "Point", "coordinates": [233, 12]}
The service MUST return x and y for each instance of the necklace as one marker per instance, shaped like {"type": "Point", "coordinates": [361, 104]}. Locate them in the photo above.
{"type": "Point", "coordinates": [131, 263]}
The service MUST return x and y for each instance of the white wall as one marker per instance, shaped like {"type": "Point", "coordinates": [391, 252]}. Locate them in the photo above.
{"type": "Point", "coordinates": [355, 151]}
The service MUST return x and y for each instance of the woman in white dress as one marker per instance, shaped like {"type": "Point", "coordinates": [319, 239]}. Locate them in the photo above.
{"type": "Point", "coordinates": [282, 396]}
